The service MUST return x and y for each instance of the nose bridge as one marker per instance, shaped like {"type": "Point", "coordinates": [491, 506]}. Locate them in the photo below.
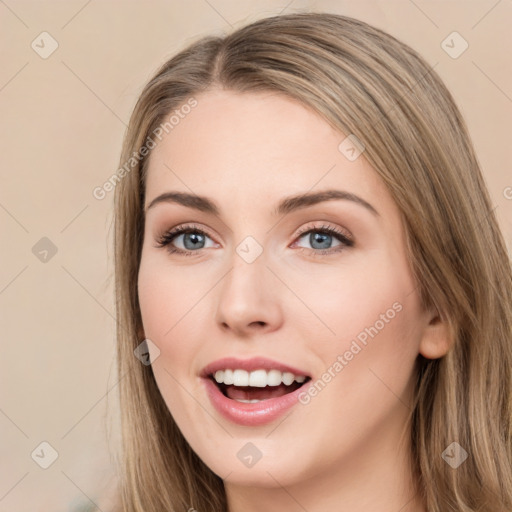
{"type": "Point", "coordinates": [246, 276]}
{"type": "Point", "coordinates": [246, 297]}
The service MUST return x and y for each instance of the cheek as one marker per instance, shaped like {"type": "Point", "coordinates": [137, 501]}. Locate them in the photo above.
{"type": "Point", "coordinates": [372, 356]}
{"type": "Point", "coordinates": [166, 317]}
{"type": "Point", "coordinates": [169, 298]}
{"type": "Point", "coordinates": [370, 324]}
{"type": "Point", "coordinates": [169, 319]}
{"type": "Point", "coordinates": [343, 302]}
{"type": "Point", "coordinates": [176, 315]}
{"type": "Point", "coordinates": [368, 365]}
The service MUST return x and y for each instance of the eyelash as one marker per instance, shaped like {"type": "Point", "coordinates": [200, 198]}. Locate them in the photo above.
{"type": "Point", "coordinates": [168, 237]}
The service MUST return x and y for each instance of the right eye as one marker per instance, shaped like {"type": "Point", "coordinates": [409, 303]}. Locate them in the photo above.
{"type": "Point", "coordinates": [193, 239]}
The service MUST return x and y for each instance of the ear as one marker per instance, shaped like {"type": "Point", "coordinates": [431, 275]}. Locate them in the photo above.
{"type": "Point", "coordinates": [437, 338]}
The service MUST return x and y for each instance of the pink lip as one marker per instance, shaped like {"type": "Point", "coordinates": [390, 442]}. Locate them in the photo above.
{"type": "Point", "coordinates": [254, 414]}
{"type": "Point", "coordinates": [251, 415]}
{"type": "Point", "coordinates": [256, 363]}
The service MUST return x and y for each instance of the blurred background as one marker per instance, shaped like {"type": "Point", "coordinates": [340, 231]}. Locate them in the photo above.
{"type": "Point", "coordinates": [70, 74]}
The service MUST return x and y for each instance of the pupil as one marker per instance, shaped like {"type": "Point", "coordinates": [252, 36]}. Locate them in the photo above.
{"type": "Point", "coordinates": [196, 239]}
{"type": "Point", "coordinates": [315, 237]}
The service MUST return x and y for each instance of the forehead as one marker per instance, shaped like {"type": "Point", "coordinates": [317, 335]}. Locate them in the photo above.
{"type": "Point", "coordinates": [242, 146]}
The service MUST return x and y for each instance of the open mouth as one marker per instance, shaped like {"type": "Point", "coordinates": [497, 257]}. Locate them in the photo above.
{"type": "Point", "coordinates": [256, 386]}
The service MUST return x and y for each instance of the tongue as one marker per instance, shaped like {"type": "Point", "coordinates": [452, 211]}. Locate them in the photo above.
{"type": "Point", "coordinates": [252, 393]}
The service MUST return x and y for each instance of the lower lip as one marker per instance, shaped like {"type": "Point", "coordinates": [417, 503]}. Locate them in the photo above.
{"type": "Point", "coordinates": [255, 414]}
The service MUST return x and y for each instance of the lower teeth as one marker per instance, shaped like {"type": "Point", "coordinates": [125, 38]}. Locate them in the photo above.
{"type": "Point", "coordinates": [248, 401]}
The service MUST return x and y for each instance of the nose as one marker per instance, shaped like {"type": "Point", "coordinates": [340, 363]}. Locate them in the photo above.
{"type": "Point", "coordinates": [248, 301]}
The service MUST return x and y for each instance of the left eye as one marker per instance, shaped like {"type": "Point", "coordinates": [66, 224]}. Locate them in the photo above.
{"type": "Point", "coordinates": [321, 239]}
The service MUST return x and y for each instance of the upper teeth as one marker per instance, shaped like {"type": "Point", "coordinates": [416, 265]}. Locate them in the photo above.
{"type": "Point", "coordinates": [257, 378]}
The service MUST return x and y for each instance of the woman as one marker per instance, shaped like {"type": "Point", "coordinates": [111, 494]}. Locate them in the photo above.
{"type": "Point", "coordinates": [307, 255]}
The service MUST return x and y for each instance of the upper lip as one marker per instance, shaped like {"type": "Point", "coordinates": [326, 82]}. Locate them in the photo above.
{"type": "Point", "coordinates": [255, 363]}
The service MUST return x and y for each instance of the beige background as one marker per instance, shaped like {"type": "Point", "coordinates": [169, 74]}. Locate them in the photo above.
{"type": "Point", "coordinates": [62, 122]}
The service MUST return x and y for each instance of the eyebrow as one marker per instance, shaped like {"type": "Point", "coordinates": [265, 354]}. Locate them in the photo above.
{"type": "Point", "coordinates": [285, 206]}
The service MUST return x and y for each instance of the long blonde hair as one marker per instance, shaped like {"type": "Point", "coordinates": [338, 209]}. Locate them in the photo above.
{"type": "Point", "coordinates": [363, 82]}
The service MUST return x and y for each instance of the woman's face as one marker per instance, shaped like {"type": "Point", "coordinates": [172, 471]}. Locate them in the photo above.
{"type": "Point", "coordinates": [275, 289]}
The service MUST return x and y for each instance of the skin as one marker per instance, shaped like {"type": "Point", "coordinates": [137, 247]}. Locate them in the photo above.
{"type": "Point", "coordinates": [342, 450]}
